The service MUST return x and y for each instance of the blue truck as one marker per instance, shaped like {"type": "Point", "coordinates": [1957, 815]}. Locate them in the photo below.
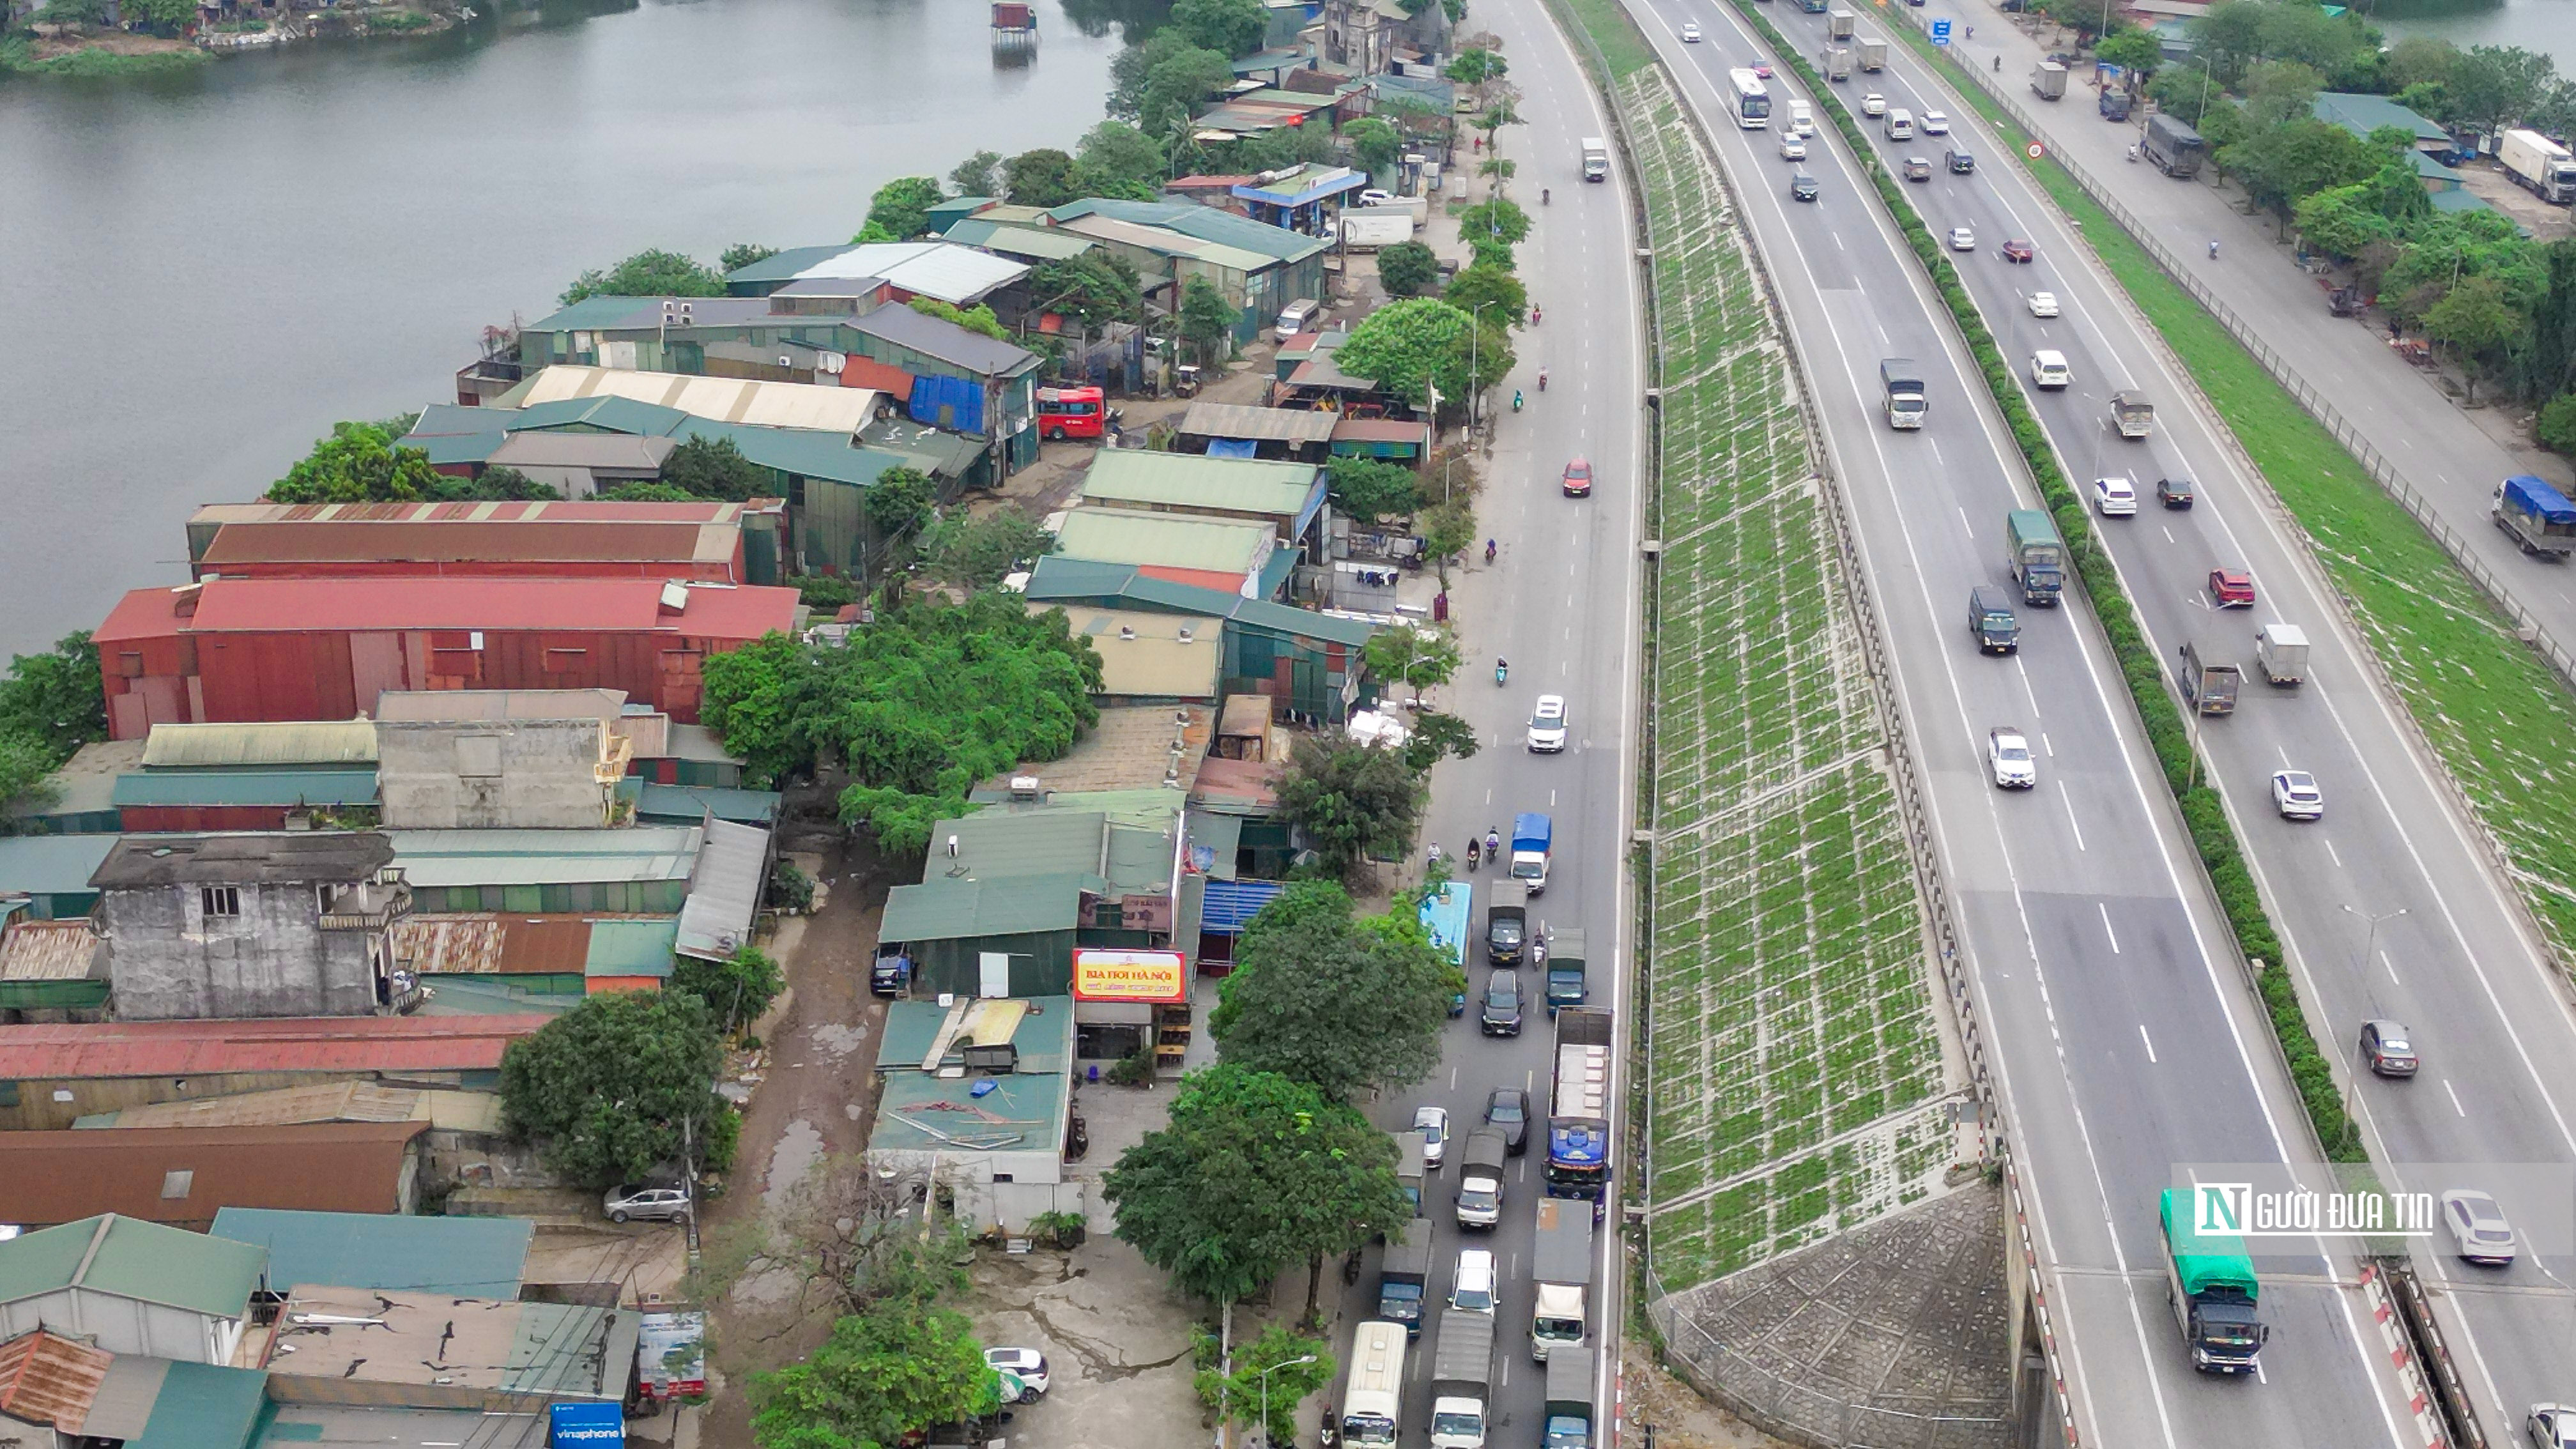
{"type": "Point", "coordinates": [1533, 836]}
{"type": "Point", "coordinates": [2536, 517]}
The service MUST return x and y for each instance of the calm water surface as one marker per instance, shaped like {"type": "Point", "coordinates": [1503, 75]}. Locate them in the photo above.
{"type": "Point", "coordinates": [202, 273]}
{"type": "Point", "coordinates": [2543, 25]}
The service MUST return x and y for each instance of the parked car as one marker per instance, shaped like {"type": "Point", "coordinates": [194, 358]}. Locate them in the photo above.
{"type": "Point", "coordinates": [1873, 104]}
{"type": "Point", "coordinates": [1690, 32]}
{"type": "Point", "coordinates": [2231, 588]}
{"type": "Point", "coordinates": [1376, 196]}
{"type": "Point", "coordinates": [1578, 478]}
{"type": "Point", "coordinates": [2388, 1049]}
{"type": "Point", "coordinates": [1935, 124]}
{"type": "Point", "coordinates": [2479, 1232]}
{"type": "Point", "coordinates": [1508, 1111]}
{"type": "Point", "coordinates": [2043, 304]}
{"type": "Point", "coordinates": [2008, 758]}
{"type": "Point", "coordinates": [1433, 1124]}
{"type": "Point", "coordinates": [1502, 1013]}
{"type": "Point", "coordinates": [1963, 238]}
{"type": "Point", "coordinates": [1027, 1364]}
{"type": "Point", "coordinates": [645, 1200]}
{"type": "Point", "coordinates": [2174, 492]}
{"type": "Point", "coordinates": [2018, 249]}
{"type": "Point", "coordinates": [2296, 796]}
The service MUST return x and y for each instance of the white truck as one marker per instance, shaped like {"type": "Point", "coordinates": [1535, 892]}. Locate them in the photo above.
{"type": "Point", "coordinates": [1873, 55]}
{"type": "Point", "coordinates": [1596, 159]}
{"type": "Point", "coordinates": [2541, 166]}
{"type": "Point", "coordinates": [2282, 651]}
{"type": "Point", "coordinates": [1802, 118]}
{"type": "Point", "coordinates": [1462, 1376]}
{"type": "Point", "coordinates": [1562, 1266]}
{"type": "Point", "coordinates": [1367, 230]}
{"type": "Point", "coordinates": [1838, 25]}
{"type": "Point", "coordinates": [1480, 1180]}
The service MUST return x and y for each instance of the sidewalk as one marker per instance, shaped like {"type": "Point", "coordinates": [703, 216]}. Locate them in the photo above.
{"type": "Point", "coordinates": [2452, 457]}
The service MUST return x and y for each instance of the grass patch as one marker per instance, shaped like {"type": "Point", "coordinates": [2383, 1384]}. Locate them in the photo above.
{"type": "Point", "coordinates": [18, 57]}
{"type": "Point", "coordinates": [1616, 42]}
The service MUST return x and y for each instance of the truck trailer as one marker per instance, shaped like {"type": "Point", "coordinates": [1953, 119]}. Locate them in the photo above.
{"type": "Point", "coordinates": [2208, 681]}
{"type": "Point", "coordinates": [1567, 1415]}
{"type": "Point", "coordinates": [1578, 1116]}
{"type": "Point", "coordinates": [1366, 231]}
{"type": "Point", "coordinates": [1566, 985]}
{"type": "Point", "coordinates": [2176, 149]}
{"type": "Point", "coordinates": [1562, 1268]}
{"type": "Point", "coordinates": [2536, 517]}
{"type": "Point", "coordinates": [2036, 555]}
{"type": "Point", "coordinates": [2539, 165]}
{"type": "Point", "coordinates": [1462, 1376]}
{"type": "Point", "coordinates": [1901, 381]}
{"type": "Point", "coordinates": [1402, 1274]}
{"type": "Point", "coordinates": [2132, 414]}
{"type": "Point", "coordinates": [2211, 1285]}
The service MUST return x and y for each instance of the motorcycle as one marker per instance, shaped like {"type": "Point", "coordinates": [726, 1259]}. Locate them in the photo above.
{"type": "Point", "coordinates": [1542, 196]}
{"type": "Point", "coordinates": [1533, 315]}
{"type": "Point", "coordinates": [1542, 379]}
{"type": "Point", "coordinates": [1475, 853]}
{"type": "Point", "coordinates": [1502, 670]}
{"type": "Point", "coordinates": [1489, 550]}
{"type": "Point", "coordinates": [1516, 399]}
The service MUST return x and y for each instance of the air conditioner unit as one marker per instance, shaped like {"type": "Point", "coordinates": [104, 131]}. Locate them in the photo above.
{"type": "Point", "coordinates": [684, 311]}
{"type": "Point", "coordinates": [1126, 631]}
{"type": "Point", "coordinates": [1186, 634]}
{"type": "Point", "coordinates": [786, 361]}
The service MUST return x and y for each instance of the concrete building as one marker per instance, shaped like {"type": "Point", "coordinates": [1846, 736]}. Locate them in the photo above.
{"type": "Point", "coordinates": [500, 760]}
{"type": "Point", "coordinates": [397, 1348]}
{"type": "Point", "coordinates": [1308, 664]}
{"type": "Point", "coordinates": [127, 1285]}
{"type": "Point", "coordinates": [250, 925]}
{"type": "Point", "coordinates": [181, 1176]}
{"type": "Point", "coordinates": [974, 1102]}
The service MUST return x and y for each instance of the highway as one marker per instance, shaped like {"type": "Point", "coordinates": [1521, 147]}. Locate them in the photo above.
{"type": "Point", "coordinates": [2449, 956]}
{"type": "Point", "coordinates": [1561, 603]}
{"type": "Point", "coordinates": [2128, 1041]}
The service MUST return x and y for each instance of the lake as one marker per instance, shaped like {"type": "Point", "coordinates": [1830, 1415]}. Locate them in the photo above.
{"type": "Point", "coordinates": [2543, 25]}
{"type": "Point", "coordinates": [207, 270]}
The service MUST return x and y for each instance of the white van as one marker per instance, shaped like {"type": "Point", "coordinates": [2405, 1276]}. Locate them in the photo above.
{"type": "Point", "coordinates": [1297, 316]}
{"type": "Point", "coordinates": [2048, 369]}
{"type": "Point", "coordinates": [1473, 1288]}
{"type": "Point", "coordinates": [1802, 118]}
{"type": "Point", "coordinates": [1900, 125]}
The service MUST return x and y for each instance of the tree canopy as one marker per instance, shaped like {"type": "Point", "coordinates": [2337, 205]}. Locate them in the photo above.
{"type": "Point", "coordinates": [614, 1087]}
{"type": "Point", "coordinates": [1350, 800]}
{"type": "Point", "coordinates": [1042, 177]}
{"type": "Point", "coordinates": [1230, 27]}
{"type": "Point", "coordinates": [648, 274]}
{"type": "Point", "coordinates": [1343, 1005]}
{"type": "Point", "coordinates": [1098, 287]}
{"type": "Point", "coordinates": [1420, 655]}
{"type": "Point", "coordinates": [978, 175]}
{"type": "Point", "coordinates": [1207, 318]}
{"type": "Point", "coordinates": [1482, 284]}
{"type": "Point", "coordinates": [899, 501]}
{"type": "Point", "coordinates": [977, 551]}
{"type": "Point", "coordinates": [1116, 159]}
{"type": "Point", "coordinates": [882, 1375]}
{"type": "Point", "coordinates": [51, 704]}
{"type": "Point", "coordinates": [714, 468]}
{"type": "Point", "coordinates": [1368, 491]}
{"type": "Point", "coordinates": [735, 991]}
{"type": "Point", "coordinates": [743, 254]}
{"type": "Point", "coordinates": [1375, 144]}
{"type": "Point", "coordinates": [1408, 269]}
{"type": "Point", "coordinates": [1406, 346]}
{"type": "Point", "coordinates": [902, 206]}
{"type": "Point", "coordinates": [359, 463]}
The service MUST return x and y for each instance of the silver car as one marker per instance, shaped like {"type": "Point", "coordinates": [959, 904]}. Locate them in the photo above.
{"type": "Point", "coordinates": [2479, 1233]}
{"type": "Point", "coordinates": [642, 1200]}
{"type": "Point", "coordinates": [1433, 1124]}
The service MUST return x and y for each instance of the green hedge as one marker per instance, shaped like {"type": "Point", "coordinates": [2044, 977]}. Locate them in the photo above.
{"type": "Point", "coordinates": [2167, 732]}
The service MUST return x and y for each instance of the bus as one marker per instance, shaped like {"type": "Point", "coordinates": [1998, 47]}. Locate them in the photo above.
{"type": "Point", "coordinates": [1444, 920]}
{"type": "Point", "coordinates": [1373, 1401]}
{"type": "Point", "coordinates": [1752, 100]}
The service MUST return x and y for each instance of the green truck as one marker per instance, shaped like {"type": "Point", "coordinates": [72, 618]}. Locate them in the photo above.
{"type": "Point", "coordinates": [2211, 1285]}
{"type": "Point", "coordinates": [1565, 983]}
{"type": "Point", "coordinates": [2036, 555]}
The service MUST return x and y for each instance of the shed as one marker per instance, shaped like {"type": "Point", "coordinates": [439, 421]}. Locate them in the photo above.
{"type": "Point", "coordinates": [390, 1346]}
{"type": "Point", "coordinates": [50, 873]}
{"type": "Point", "coordinates": [1211, 553]}
{"type": "Point", "coordinates": [253, 745]}
{"type": "Point", "coordinates": [1287, 497]}
{"type": "Point", "coordinates": [690, 804]}
{"type": "Point", "coordinates": [1309, 663]}
{"type": "Point", "coordinates": [642, 869]}
{"type": "Point", "coordinates": [1005, 937]}
{"type": "Point", "coordinates": [724, 891]}
{"type": "Point", "coordinates": [472, 1257]}
{"type": "Point", "coordinates": [181, 1176]}
{"type": "Point", "coordinates": [164, 800]}
{"type": "Point", "coordinates": [1148, 657]}
{"type": "Point", "coordinates": [581, 465]}
{"type": "Point", "coordinates": [1299, 433]}
{"type": "Point", "coordinates": [129, 1285]}
{"type": "Point", "coordinates": [52, 966]}
{"type": "Point", "coordinates": [1389, 440]}
{"type": "Point", "coordinates": [993, 1134]}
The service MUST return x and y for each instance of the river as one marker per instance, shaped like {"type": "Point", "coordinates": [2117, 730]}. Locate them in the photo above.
{"type": "Point", "coordinates": [2542, 25]}
{"type": "Point", "coordinates": [206, 270]}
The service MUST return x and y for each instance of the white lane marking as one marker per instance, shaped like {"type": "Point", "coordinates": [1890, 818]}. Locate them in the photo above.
{"type": "Point", "coordinates": [2455, 1098]}
{"type": "Point", "coordinates": [2105, 908]}
{"type": "Point", "coordinates": [2150, 1041]}
{"type": "Point", "coordinates": [2334, 855]}
{"type": "Point", "coordinates": [2389, 966]}
{"type": "Point", "coordinates": [2066, 798]}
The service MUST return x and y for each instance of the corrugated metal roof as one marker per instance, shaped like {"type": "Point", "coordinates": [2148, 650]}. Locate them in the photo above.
{"type": "Point", "coordinates": [178, 1175]}
{"type": "Point", "coordinates": [945, 910]}
{"type": "Point", "coordinates": [1379, 430]}
{"type": "Point", "coordinates": [246, 787]}
{"type": "Point", "coordinates": [238, 746]}
{"type": "Point", "coordinates": [474, 540]}
{"type": "Point", "coordinates": [1044, 242]}
{"type": "Point", "coordinates": [1144, 654]}
{"type": "Point", "coordinates": [842, 410]}
{"type": "Point", "coordinates": [724, 891]}
{"type": "Point", "coordinates": [946, 341]}
{"type": "Point", "coordinates": [1123, 535]}
{"type": "Point", "coordinates": [321, 1102]}
{"type": "Point", "coordinates": [330, 856]}
{"type": "Point", "coordinates": [1228, 904]}
{"type": "Point", "coordinates": [126, 1396]}
{"type": "Point", "coordinates": [448, 705]}
{"type": "Point", "coordinates": [1002, 845]}
{"type": "Point", "coordinates": [691, 803]}
{"type": "Point", "coordinates": [614, 452]}
{"type": "Point", "coordinates": [50, 1380]}
{"type": "Point", "coordinates": [546, 857]}
{"type": "Point", "coordinates": [476, 1257]}
{"type": "Point", "coordinates": [917, 1112]}
{"type": "Point", "coordinates": [1041, 1027]}
{"type": "Point", "coordinates": [954, 274]}
{"type": "Point", "coordinates": [497, 1345]}
{"type": "Point", "coordinates": [204, 1406]}
{"type": "Point", "coordinates": [73, 1051]}
{"type": "Point", "coordinates": [1234, 420]}
{"type": "Point", "coordinates": [47, 950]}
{"type": "Point", "coordinates": [1183, 480]}
{"type": "Point", "coordinates": [1207, 222]}
{"type": "Point", "coordinates": [1168, 243]}
{"type": "Point", "coordinates": [50, 865]}
{"type": "Point", "coordinates": [780, 266]}
{"type": "Point", "coordinates": [546, 510]}
{"type": "Point", "coordinates": [132, 1258]}
{"type": "Point", "coordinates": [557, 605]}
{"type": "Point", "coordinates": [632, 946]}
{"type": "Point", "coordinates": [804, 452]}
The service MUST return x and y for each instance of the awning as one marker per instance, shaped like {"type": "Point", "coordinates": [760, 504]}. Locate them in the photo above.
{"type": "Point", "coordinates": [1230, 903]}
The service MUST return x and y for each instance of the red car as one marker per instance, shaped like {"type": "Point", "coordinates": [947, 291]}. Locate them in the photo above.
{"type": "Point", "coordinates": [2232, 588]}
{"type": "Point", "coordinates": [2017, 250]}
{"type": "Point", "coordinates": [1762, 69]}
{"type": "Point", "coordinates": [1578, 479]}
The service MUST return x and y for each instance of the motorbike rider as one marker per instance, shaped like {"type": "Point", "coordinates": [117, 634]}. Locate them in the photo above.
{"type": "Point", "coordinates": [1493, 843]}
{"type": "Point", "coordinates": [1542, 379]}
{"type": "Point", "coordinates": [1475, 852]}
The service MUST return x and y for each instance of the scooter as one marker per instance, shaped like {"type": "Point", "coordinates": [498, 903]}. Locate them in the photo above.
{"type": "Point", "coordinates": [1502, 671]}
{"type": "Point", "coordinates": [1475, 853]}
{"type": "Point", "coordinates": [1533, 315]}
{"type": "Point", "coordinates": [1542, 379]}
{"type": "Point", "coordinates": [1516, 399]}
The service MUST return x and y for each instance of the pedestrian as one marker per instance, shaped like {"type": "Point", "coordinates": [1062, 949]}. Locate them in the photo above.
{"type": "Point", "coordinates": [2396, 329]}
{"type": "Point", "coordinates": [1972, 32]}
{"type": "Point", "coordinates": [1440, 607]}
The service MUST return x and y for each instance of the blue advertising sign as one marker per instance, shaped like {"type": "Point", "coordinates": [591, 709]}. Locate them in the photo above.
{"type": "Point", "coordinates": [1940, 32]}
{"type": "Point", "coordinates": [585, 1426]}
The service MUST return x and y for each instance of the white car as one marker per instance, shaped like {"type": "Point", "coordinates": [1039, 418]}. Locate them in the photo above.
{"type": "Point", "coordinates": [1963, 239]}
{"type": "Point", "coordinates": [2551, 1426]}
{"type": "Point", "coordinates": [1547, 725]}
{"type": "Point", "coordinates": [1793, 147]}
{"type": "Point", "coordinates": [2115, 497]}
{"type": "Point", "coordinates": [1473, 1289]}
{"type": "Point", "coordinates": [1433, 1124]}
{"type": "Point", "coordinates": [2296, 796]}
{"type": "Point", "coordinates": [2048, 369]}
{"type": "Point", "coordinates": [1027, 1364]}
{"type": "Point", "coordinates": [1690, 32]}
{"type": "Point", "coordinates": [2043, 304]}
{"type": "Point", "coordinates": [2479, 1233]}
{"type": "Point", "coordinates": [1376, 196]}
{"type": "Point", "coordinates": [2008, 758]}
{"type": "Point", "coordinates": [1873, 104]}
{"type": "Point", "coordinates": [1935, 124]}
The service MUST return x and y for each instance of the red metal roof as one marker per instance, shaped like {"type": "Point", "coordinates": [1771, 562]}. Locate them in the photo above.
{"type": "Point", "coordinates": [468, 540]}
{"type": "Point", "coordinates": [141, 614]}
{"type": "Point", "coordinates": [70, 1051]}
{"type": "Point", "coordinates": [297, 606]}
{"type": "Point", "coordinates": [45, 1379]}
{"type": "Point", "coordinates": [184, 1175]}
{"type": "Point", "coordinates": [585, 511]}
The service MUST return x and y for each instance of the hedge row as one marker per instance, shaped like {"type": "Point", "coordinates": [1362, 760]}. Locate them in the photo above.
{"type": "Point", "coordinates": [2167, 732]}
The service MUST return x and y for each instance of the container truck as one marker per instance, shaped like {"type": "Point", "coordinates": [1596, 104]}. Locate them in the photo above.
{"type": "Point", "coordinates": [2282, 651]}
{"type": "Point", "coordinates": [1873, 55]}
{"type": "Point", "coordinates": [1835, 63]}
{"type": "Point", "coordinates": [2174, 147]}
{"type": "Point", "coordinates": [1366, 231]}
{"type": "Point", "coordinates": [1373, 1399]}
{"type": "Point", "coordinates": [1565, 983]}
{"type": "Point", "coordinates": [2208, 682]}
{"type": "Point", "coordinates": [2536, 516]}
{"type": "Point", "coordinates": [1401, 1275]}
{"type": "Point", "coordinates": [1533, 837]}
{"type": "Point", "coordinates": [1838, 25]}
{"type": "Point", "coordinates": [1480, 1180]}
{"type": "Point", "coordinates": [1596, 159]}
{"type": "Point", "coordinates": [1578, 1115]}
{"type": "Point", "coordinates": [1506, 923]}
{"type": "Point", "coordinates": [2211, 1285]}
{"type": "Point", "coordinates": [1562, 1268]}
{"type": "Point", "coordinates": [1902, 382]}
{"type": "Point", "coordinates": [2132, 414]}
{"type": "Point", "coordinates": [2048, 80]}
{"type": "Point", "coordinates": [1567, 1417]}
{"type": "Point", "coordinates": [1461, 1378]}
{"type": "Point", "coordinates": [2036, 555]}
{"type": "Point", "coordinates": [2541, 166]}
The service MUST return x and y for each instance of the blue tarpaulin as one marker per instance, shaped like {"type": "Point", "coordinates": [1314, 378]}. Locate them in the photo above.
{"type": "Point", "coordinates": [1230, 447]}
{"type": "Point", "coordinates": [1230, 903]}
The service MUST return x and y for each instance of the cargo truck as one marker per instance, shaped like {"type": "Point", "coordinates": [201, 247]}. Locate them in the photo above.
{"type": "Point", "coordinates": [2541, 166]}
{"type": "Point", "coordinates": [1461, 1378]}
{"type": "Point", "coordinates": [2282, 651]}
{"type": "Point", "coordinates": [2208, 682]}
{"type": "Point", "coordinates": [1873, 55]}
{"type": "Point", "coordinates": [2210, 1283]}
{"type": "Point", "coordinates": [2132, 414]}
{"type": "Point", "coordinates": [1802, 118]}
{"type": "Point", "coordinates": [1373, 1399]}
{"type": "Point", "coordinates": [1506, 923]}
{"type": "Point", "coordinates": [1533, 838]}
{"type": "Point", "coordinates": [1578, 1115]}
{"type": "Point", "coordinates": [1562, 1268]}
{"type": "Point", "coordinates": [1480, 1179]}
{"type": "Point", "coordinates": [2048, 80]}
{"type": "Point", "coordinates": [1838, 25]}
{"type": "Point", "coordinates": [1565, 983]}
{"type": "Point", "coordinates": [1596, 159]}
{"type": "Point", "coordinates": [2174, 147]}
{"type": "Point", "coordinates": [1411, 1156]}
{"type": "Point", "coordinates": [2036, 555]}
{"type": "Point", "coordinates": [1902, 382]}
{"type": "Point", "coordinates": [2536, 516]}
{"type": "Point", "coordinates": [1835, 63]}
{"type": "Point", "coordinates": [2113, 103]}
{"type": "Point", "coordinates": [1401, 1275]}
{"type": "Point", "coordinates": [1366, 231]}
{"type": "Point", "coordinates": [1567, 1416]}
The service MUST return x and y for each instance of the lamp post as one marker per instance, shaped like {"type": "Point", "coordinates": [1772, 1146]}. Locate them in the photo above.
{"type": "Point", "coordinates": [1475, 334]}
{"type": "Point", "coordinates": [2369, 942]}
{"type": "Point", "coordinates": [1264, 1377]}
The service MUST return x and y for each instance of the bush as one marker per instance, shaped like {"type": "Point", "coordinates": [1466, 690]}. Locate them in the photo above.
{"type": "Point", "coordinates": [1134, 1069]}
{"type": "Point", "coordinates": [2557, 429]}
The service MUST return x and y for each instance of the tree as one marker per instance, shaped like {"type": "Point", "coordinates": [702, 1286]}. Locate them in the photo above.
{"type": "Point", "coordinates": [1408, 346]}
{"type": "Point", "coordinates": [648, 274]}
{"type": "Point", "coordinates": [1408, 269]}
{"type": "Point", "coordinates": [620, 1085]}
{"type": "Point", "coordinates": [1419, 655]}
{"type": "Point", "coordinates": [978, 318]}
{"type": "Point", "coordinates": [735, 990]}
{"type": "Point", "coordinates": [2494, 86]}
{"type": "Point", "coordinates": [1098, 287]}
{"type": "Point", "coordinates": [2231, 34]}
{"type": "Point", "coordinates": [1177, 84]}
{"type": "Point", "coordinates": [1499, 218]}
{"type": "Point", "coordinates": [74, 12]}
{"type": "Point", "coordinates": [757, 701]}
{"type": "Point", "coordinates": [1114, 153]}
{"type": "Point", "coordinates": [2181, 91]}
{"type": "Point", "coordinates": [880, 1376]}
{"type": "Point", "coordinates": [1448, 530]}
{"type": "Point", "coordinates": [899, 502]}
{"type": "Point", "coordinates": [26, 767]}
{"type": "Point", "coordinates": [1374, 144]}
{"type": "Point", "coordinates": [502, 484]}
{"type": "Point", "coordinates": [977, 551]}
{"type": "Point", "coordinates": [1241, 1395]}
{"type": "Point", "coordinates": [2557, 427]}
{"type": "Point", "coordinates": [1232, 27]}
{"type": "Point", "coordinates": [2302, 158]}
{"type": "Point", "coordinates": [2475, 323]}
{"type": "Point", "coordinates": [644, 491]}
{"type": "Point", "coordinates": [1042, 178]}
{"type": "Point", "coordinates": [1368, 491]}
{"type": "Point", "coordinates": [713, 467]}
{"type": "Point", "coordinates": [1342, 1006]}
{"type": "Point", "coordinates": [2418, 60]}
{"type": "Point", "coordinates": [2132, 49]}
{"type": "Point", "coordinates": [1251, 1173]}
{"type": "Point", "coordinates": [1349, 800]}
{"type": "Point", "coordinates": [2279, 93]}
{"type": "Point", "coordinates": [743, 254]}
{"type": "Point", "coordinates": [1490, 287]}
{"type": "Point", "coordinates": [902, 206]}
{"type": "Point", "coordinates": [2340, 221]}
{"type": "Point", "coordinates": [1207, 319]}
{"type": "Point", "coordinates": [978, 175]}
{"type": "Point", "coordinates": [54, 700]}
{"type": "Point", "coordinates": [1499, 170]}
{"type": "Point", "coordinates": [161, 17]}
{"type": "Point", "coordinates": [2305, 34]}
{"type": "Point", "coordinates": [1495, 116]}
{"type": "Point", "coordinates": [1477, 66]}
{"type": "Point", "coordinates": [358, 463]}
{"type": "Point", "coordinates": [1437, 736]}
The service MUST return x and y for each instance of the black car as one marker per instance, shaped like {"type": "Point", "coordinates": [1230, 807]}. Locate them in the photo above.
{"type": "Point", "coordinates": [1502, 1014]}
{"type": "Point", "coordinates": [2174, 492]}
{"type": "Point", "coordinates": [890, 973]}
{"type": "Point", "coordinates": [1802, 187]}
{"type": "Point", "coordinates": [1508, 1110]}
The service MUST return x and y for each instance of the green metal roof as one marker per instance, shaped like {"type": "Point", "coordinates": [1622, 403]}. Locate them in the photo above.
{"type": "Point", "coordinates": [687, 804]}
{"type": "Point", "coordinates": [591, 313]}
{"type": "Point", "coordinates": [1047, 243]}
{"type": "Point", "coordinates": [1061, 580]}
{"type": "Point", "coordinates": [608, 413]}
{"type": "Point", "coordinates": [247, 787]}
{"type": "Point", "coordinates": [993, 845]}
{"type": "Point", "coordinates": [1183, 480]}
{"type": "Point", "coordinates": [917, 1112]}
{"type": "Point", "coordinates": [1044, 1035]}
{"type": "Point", "coordinates": [1140, 858]}
{"type": "Point", "coordinates": [2362, 114]}
{"type": "Point", "coordinates": [544, 857]}
{"type": "Point", "coordinates": [204, 1406]}
{"type": "Point", "coordinates": [1171, 540]}
{"type": "Point", "coordinates": [1304, 623]}
{"type": "Point", "coordinates": [135, 1259]}
{"type": "Point", "coordinates": [472, 1257]}
{"type": "Point", "coordinates": [240, 746]}
{"type": "Point", "coordinates": [955, 910]}
{"type": "Point", "coordinates": [632, 948]}
{"type": "Point", "coordinates": [51, 865]}
{"type": "Point", "coordinates": [806, 452]}
{"type": "Point", "coordinates": [784, 266]}
{"type": "Point", "coordinates": [1208, 224]}
{"type": "Point", "coordinates": [1215, 839]}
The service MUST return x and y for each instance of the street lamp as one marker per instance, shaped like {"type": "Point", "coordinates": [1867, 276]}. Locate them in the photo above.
{"type": "Point", "coordinates": [2369, 942]}
{"type": "Point", "coordinates": [1475, 334]}
{"type": "Point", "coordinates": [1264, 1377]}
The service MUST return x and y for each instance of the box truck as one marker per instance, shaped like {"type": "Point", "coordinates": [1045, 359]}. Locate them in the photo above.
{"type": "Point", "coordinates": [2541, 166]}
{"type": "Point", "coordinates": [1567, 1414]}
{"type": "Point", "coordinates": [1462, 1377]}
{"type": "Point", "coordinates": [1562, 1268]}
{"type": "Point", "coordinates": [2174, 147]}
{"type": "Point", "coordinates": [1902, 383]}
{"type": "Point", "coordinates": [2048, 80]}
{"type": "Point", "coordinates": [2282, 652]}
{"type": "Point", "coordinates": [2536, 516]}
{"type": "Point", "coordinates": [1401, 1275]}
{"type": "Point", "coordinates": [1596, 159]}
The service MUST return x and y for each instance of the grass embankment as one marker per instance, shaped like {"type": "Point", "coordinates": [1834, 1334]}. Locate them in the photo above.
{"type": "Point", "coordinates": [1783, 974]}
{"type": "Point", "coordinates": [18, 56]}
{"type": "Point", "coordinates": [2212, 837]}
{"type": "Point", "coordinates": [2501, 720]}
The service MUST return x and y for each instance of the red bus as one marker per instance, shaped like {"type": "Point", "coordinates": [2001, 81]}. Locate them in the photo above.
{"type": "Point", "coordinates": [1070, 412]}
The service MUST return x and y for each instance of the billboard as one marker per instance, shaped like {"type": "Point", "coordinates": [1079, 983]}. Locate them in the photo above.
{"type": "Point", "coordinates": [1108, 975]}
